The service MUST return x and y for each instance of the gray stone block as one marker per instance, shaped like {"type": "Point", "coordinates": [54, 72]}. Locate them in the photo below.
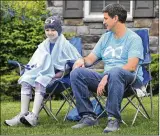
{"type": "Point", "coordinates": [58, 3]}
{"type": "Point", "coordinates": [82, 30]}
{"type": "Point", "coordinates": [129, 24]}
{"type": "Point", "coordinates": [97, 31]}
{"type": "Point", "coordinates": [56, 10]}
{"type": "Point", "coordinates": [73, 22]}
{"type": "Point", "coordinates": [154, 50]}
{"type": "Point", "coordinates": [90, 38]}
{"type": "Point", "coordinates": [95, 25]}
{"type": "Point", "coordinates": [139, 23]}
{"type": "Point", "coordinates": [153, 41]}
{"type": "Point", "coordinates": [69, 29]}
{"type": "Point", "coordinates": [154, 30]}
{"type": "Point", "coordinates": [88, 46]}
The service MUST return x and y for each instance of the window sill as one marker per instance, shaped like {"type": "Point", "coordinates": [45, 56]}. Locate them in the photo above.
{"type": "Point", "coordinates": [99, 18]}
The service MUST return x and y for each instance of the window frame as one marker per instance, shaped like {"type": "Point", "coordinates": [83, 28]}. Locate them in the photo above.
{"type": "Point", "coordinates": [98, 16]}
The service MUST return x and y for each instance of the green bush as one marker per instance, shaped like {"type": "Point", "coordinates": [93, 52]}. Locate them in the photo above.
{"type": "Point", "coordinates": [21, 30]}
{"type": "Point", "coordinates": [155, 73]}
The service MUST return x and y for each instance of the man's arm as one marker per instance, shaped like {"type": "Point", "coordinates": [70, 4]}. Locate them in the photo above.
{"type": "Point", "coordinates": [132, 64]}
{"type": "Point", "coordinates": [88, 60]}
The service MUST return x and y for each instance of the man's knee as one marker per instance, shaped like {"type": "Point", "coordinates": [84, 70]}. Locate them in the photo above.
{"type": "Point", "coordinates": [115, 72]}
{"type": "Point", "coordinates": [76, 73]}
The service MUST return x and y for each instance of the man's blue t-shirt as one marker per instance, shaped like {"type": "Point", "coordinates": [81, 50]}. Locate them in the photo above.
{"type": "Point", "coordinates": [116, 52]}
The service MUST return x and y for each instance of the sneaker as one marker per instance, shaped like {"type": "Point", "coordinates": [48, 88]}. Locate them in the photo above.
{"type": "Point", "coordinates": [113, 125]}
{"type": "Point", "coordinates": [86, 121]}
{"type": "Point", "coordinates": [15, 120]}
{"type": "Point", "coordinates": [30, 120]}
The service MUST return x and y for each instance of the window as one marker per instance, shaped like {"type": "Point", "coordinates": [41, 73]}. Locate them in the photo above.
{"type": "Point", "coordinates": [93, 9]}
{"type": "Point", "coordinates": [50, 3]}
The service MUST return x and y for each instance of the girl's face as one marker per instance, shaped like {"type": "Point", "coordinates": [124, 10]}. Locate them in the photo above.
{"type": "Point", "coordinates": [51, 34]}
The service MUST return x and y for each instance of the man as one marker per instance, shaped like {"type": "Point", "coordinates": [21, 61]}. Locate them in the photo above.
{"type": "Point", "coordinates": [121, 50]}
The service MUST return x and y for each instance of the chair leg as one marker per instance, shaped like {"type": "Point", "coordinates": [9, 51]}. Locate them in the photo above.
{"type": "Point", "coordinates": [142, 106]}
{"type": "Point", "coordinates": [135, 115]}
{"type": "Point", "coordinates": [137, 108]}
{"type": "Point", "coordinates": [60, 107]}
{"type": "Point", "coordinates": [127, 103]}
{"type": "Point", "coordinates": [49, 112]}
{"type": "Point", "coordinates": [44, 106]}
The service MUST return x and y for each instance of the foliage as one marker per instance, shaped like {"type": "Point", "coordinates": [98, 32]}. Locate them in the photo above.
{"type": "Point", "coordinates": [155, 72]}
{"type": "Point", "coordinates": [21, 30]}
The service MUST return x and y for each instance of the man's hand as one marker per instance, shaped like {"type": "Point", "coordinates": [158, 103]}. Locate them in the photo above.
{"type": "Point", "coordinates": [101, 86]}
{"type": "Point", "coordinates": [79, 63]}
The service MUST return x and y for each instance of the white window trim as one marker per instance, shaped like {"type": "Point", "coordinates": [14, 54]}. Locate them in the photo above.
{"type": "Point", "coordinates": [96, 17]}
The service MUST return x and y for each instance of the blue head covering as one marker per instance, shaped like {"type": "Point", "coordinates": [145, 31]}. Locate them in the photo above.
{"type": "Point", "coordinates": [55, 23]}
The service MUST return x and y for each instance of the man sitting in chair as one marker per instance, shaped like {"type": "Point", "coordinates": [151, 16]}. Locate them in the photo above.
{"type": "Point", "coordinates": [121, 50]}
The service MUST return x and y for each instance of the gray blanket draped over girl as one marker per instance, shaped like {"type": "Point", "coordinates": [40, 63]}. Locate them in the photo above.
{"type": "Point", "coordinates": [45, 63]}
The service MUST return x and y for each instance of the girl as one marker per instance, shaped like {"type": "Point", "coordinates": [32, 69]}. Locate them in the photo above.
{"type": "Point", "coordinates": [50, 56]}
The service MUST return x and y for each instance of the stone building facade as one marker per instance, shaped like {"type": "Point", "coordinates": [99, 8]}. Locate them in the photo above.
{"type": "Point", "coordinates": [90, 31]}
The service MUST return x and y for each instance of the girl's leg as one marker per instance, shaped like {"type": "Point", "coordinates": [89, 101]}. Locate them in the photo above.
{"type": "Point", "coordinates": [40, 91]}
{"type": "Point", "coordinates": [26, 95]}
{"type": "Point", "coordinates": [32, 118]}
{"type": "Point", "coordinates": [25, 99]}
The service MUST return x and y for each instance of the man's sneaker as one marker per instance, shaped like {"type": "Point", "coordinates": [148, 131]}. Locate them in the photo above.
{"type": "Point", "coordinates": [30, 120]}
{"type": "Point", "coordinates": [15, 120]}
{"type": "Point", "coordinates": [86, 121]}
{"type": "Point", "coordinates": [113, 125]}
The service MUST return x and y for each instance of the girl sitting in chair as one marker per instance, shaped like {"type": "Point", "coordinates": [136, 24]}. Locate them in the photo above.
{"type": "Point", "coordinates": [50, 56]}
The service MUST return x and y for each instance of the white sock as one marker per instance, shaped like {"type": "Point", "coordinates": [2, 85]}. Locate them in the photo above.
{"type": "Point", "coordinates": [38, 99]}
{"type": "Point", "coordinates": [25, 99]}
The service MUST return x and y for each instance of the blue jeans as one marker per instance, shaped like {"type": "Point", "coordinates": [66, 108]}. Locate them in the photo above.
{"type": "Point", "coordinates": [84, 80]}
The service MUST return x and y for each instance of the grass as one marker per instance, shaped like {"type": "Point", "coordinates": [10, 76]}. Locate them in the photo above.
{"type": "Point", "coordinates": [48, 126]}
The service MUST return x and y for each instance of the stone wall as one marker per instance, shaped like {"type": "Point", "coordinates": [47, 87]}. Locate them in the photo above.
{"type": "Point", "coordinates": [90, 32]}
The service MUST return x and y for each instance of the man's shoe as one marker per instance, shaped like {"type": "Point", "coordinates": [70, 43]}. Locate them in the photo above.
{"type": "Point", "coordinates": [113, 125]}
{"type": "Point", "coordinates": [15, 120]}
{"type": "Point", "coordinates": [86, 121]}
{"type": "Point", "coordinates": [30, 120]}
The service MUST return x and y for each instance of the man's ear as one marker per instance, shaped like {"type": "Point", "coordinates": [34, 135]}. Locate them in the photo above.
{"type": "Point", "coordinates": [116, 18]}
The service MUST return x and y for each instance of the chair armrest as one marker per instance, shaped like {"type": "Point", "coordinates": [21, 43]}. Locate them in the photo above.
{"type": "Point", "coordinates": [66, 70]}
{"type": "Point", "coordinates": [16, 64]}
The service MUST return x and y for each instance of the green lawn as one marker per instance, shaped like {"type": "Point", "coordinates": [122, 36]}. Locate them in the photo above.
{"type": "Point", "coordinates": [48, 126]}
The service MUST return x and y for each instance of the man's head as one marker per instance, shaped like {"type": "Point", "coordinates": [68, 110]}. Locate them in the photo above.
{"type": "Point", "coordinates": [114, 13]}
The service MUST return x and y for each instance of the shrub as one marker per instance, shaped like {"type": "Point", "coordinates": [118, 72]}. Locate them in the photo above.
{"type": "Point", "coordinates": [155, 73]}
{"type": "Point", "coordinates": [21, 30]}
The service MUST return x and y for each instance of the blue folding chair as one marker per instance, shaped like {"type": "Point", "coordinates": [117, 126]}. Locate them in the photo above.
{"type": "Point", "coordinates": [140, 93]}
{"type": "Point", "coordinates": [60, 86]}
{"type": "Point", "coordinates": [146, 89]}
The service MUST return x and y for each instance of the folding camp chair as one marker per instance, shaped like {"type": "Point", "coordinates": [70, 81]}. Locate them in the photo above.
{"type": "Point", "coordinates": [59, 86]}
{"type": "Point", "coordinates": [142, 92]}
{"type": "Point", "coordinates": [62, 86]}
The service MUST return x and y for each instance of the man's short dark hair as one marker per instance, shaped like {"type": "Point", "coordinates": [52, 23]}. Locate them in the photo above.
{"type": "Point", "coordinates": [116, 9]}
